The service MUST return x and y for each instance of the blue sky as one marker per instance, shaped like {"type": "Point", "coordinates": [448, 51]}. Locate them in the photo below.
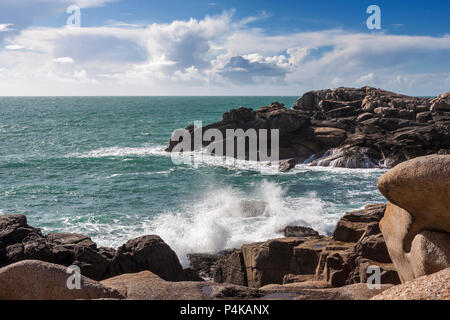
{"type": "Point", "coordinates": [212, 47]}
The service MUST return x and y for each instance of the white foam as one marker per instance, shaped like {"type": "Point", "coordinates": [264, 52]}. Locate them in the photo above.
{"type": "Point", "coordinates": [143, 151]}
{"type": "Point", "coordinates": [217, 221]}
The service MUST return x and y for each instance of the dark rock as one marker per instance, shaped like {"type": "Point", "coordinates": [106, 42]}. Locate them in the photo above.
{"type": "Point", "coordinates": [204, 264]}
{"type": "Point", "coordinates": [288, 164]}
{"type": "Point", "coordinates": [19, 241]}
{"type": "Point", "coordinates": [424, 117]}
{"type": "Point", "coordinates": [369, 127]}
{"type": "Point", "coordinates": [299, 232]}
{"type": "Point", "coordinates": [147, 253]}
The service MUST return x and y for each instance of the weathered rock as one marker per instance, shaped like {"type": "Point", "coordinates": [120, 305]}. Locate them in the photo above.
{"type": "Point", "coordinates": [431, 287]}
{"type": "Point", "coordinates": [337, 260]}
{"type": "Point", "coordinates": [231, 269]}
{"type": "Point", "coordinates": [416, 225]}
{"type": "Point", "coordinates": [147, 253]}
{"type": "Point", "coordinates": [424, 117]}
{"type": "Point", "coordinates": [420, 186]}
{"type": "Point", "coordinates": [353, 224]}
{"type": "Point", "coordinates": [269, 261]}
{"type": "Point", "coordinates": [440, 105]}
{"type": "Point", "coordinates": [336, 266]}
{"type": "Point", "coordinates": [38, 280]}
{"type": "Point", "coordinates": [299, 232]}
{"type": "Point", "coordinates": [296, 278]}
{"type": "Point", "coordinates": [388, 274]}
{"type": "Point", "coordinates": [330, 137]}
{"type": "Point", "coordinates": [19, 241]}
{"type": "Point", "coordinates": [368, 127]}
{"type": "Point", "coordinates": [307, 255]}
{"type": "Point", "coordinates": [148, 286]}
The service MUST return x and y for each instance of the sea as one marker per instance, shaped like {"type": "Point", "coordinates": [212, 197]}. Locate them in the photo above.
{"type": "Point", "coordinates": [97, 166]}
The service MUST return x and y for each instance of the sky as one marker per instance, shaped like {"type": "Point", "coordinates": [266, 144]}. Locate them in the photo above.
{"type": "Point", "coordinates": [221, 47]}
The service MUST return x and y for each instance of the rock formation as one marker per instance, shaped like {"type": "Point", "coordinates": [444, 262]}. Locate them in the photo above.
{"type": "Point", "coordinates": [147, 286]}
{"type": "Point", "coordinates": [416, 224]}
{"type": "Point", "coordinates": [19, 241]}
{"type": "Point", "coordinates": [339, 260]}
{"type": "Point", "coordinates": [38, 280]}
{"type": "Point", "coordinates": [345, 127]}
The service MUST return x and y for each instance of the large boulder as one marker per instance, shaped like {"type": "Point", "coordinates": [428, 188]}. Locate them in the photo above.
{"type": "Point", "coordinates": [416, 224]}
{"type": "Point", "coordinates": [420, 186]}
{"type": "Point", "coordinates": [38, 280]}
{"type": "Point", "coordinates": [147, 253]}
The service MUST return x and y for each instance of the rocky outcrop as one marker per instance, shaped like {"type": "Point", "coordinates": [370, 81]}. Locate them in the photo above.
{"type": "Point", "coordinates": [147, 253]}
{"type": "Point", "coordinates": [416, 224]}
{"type": "Point", "coordinates": [346, 127]}
{"type": "Point", "coordinates": [340, 260]}
{"type": "Point", "coordinates": [431, 287]}
{"type": "Point", "coordinates": [299, 232]}
{"type": "Point", "coordinates": [148, 286]}
{"type": "Point", "coordinates": [38, 280]}
{"type": "Point", "coordinates": [19, 241]}
{"type": "Point", "coordinates": [352, 226]}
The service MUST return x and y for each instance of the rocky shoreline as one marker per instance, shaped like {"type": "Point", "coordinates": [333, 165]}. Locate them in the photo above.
{"type": "Point", "coordinates": [406, 241]}
{"type": "Point", "coordinates": [348, 127]}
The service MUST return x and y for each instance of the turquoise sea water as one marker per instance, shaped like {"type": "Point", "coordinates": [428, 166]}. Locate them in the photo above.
{"type": "Point", "coordinates": [96, 165]}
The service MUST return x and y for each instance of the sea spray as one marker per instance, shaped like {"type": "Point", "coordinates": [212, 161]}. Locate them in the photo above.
{"type": "Point", "coordinates": [218, 221]}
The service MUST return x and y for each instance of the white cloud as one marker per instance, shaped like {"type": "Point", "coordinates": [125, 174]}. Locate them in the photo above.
{"type": "Point", "coordinates": [216, 55]}
{"type": "Point", "coordinates": [14, 47]}
{"type": "Point", "coordinates": [5, 27]}
{"type": "Point", "coordinates": [64, 60]}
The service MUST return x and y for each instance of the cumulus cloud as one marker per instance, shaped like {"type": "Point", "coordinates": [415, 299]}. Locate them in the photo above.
{"type": "Point", "coordinates": [5, 27]}
{"type": "Point", "coordinates": [251, 67]}
{"type": "Point", "coordinates": [217, 55]}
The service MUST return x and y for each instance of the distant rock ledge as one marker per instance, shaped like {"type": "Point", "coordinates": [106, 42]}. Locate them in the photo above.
{"type": "Point", "coordinates": [348, 127]}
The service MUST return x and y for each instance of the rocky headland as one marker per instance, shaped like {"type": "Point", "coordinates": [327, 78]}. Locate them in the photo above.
{"type": "Point", "coordinates": [347, 127]}
{"type": "Point", "coordinates": [407, 241]}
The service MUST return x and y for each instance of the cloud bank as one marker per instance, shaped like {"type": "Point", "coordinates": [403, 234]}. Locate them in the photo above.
{"type": "Point", "coordinates": [212, 56]}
